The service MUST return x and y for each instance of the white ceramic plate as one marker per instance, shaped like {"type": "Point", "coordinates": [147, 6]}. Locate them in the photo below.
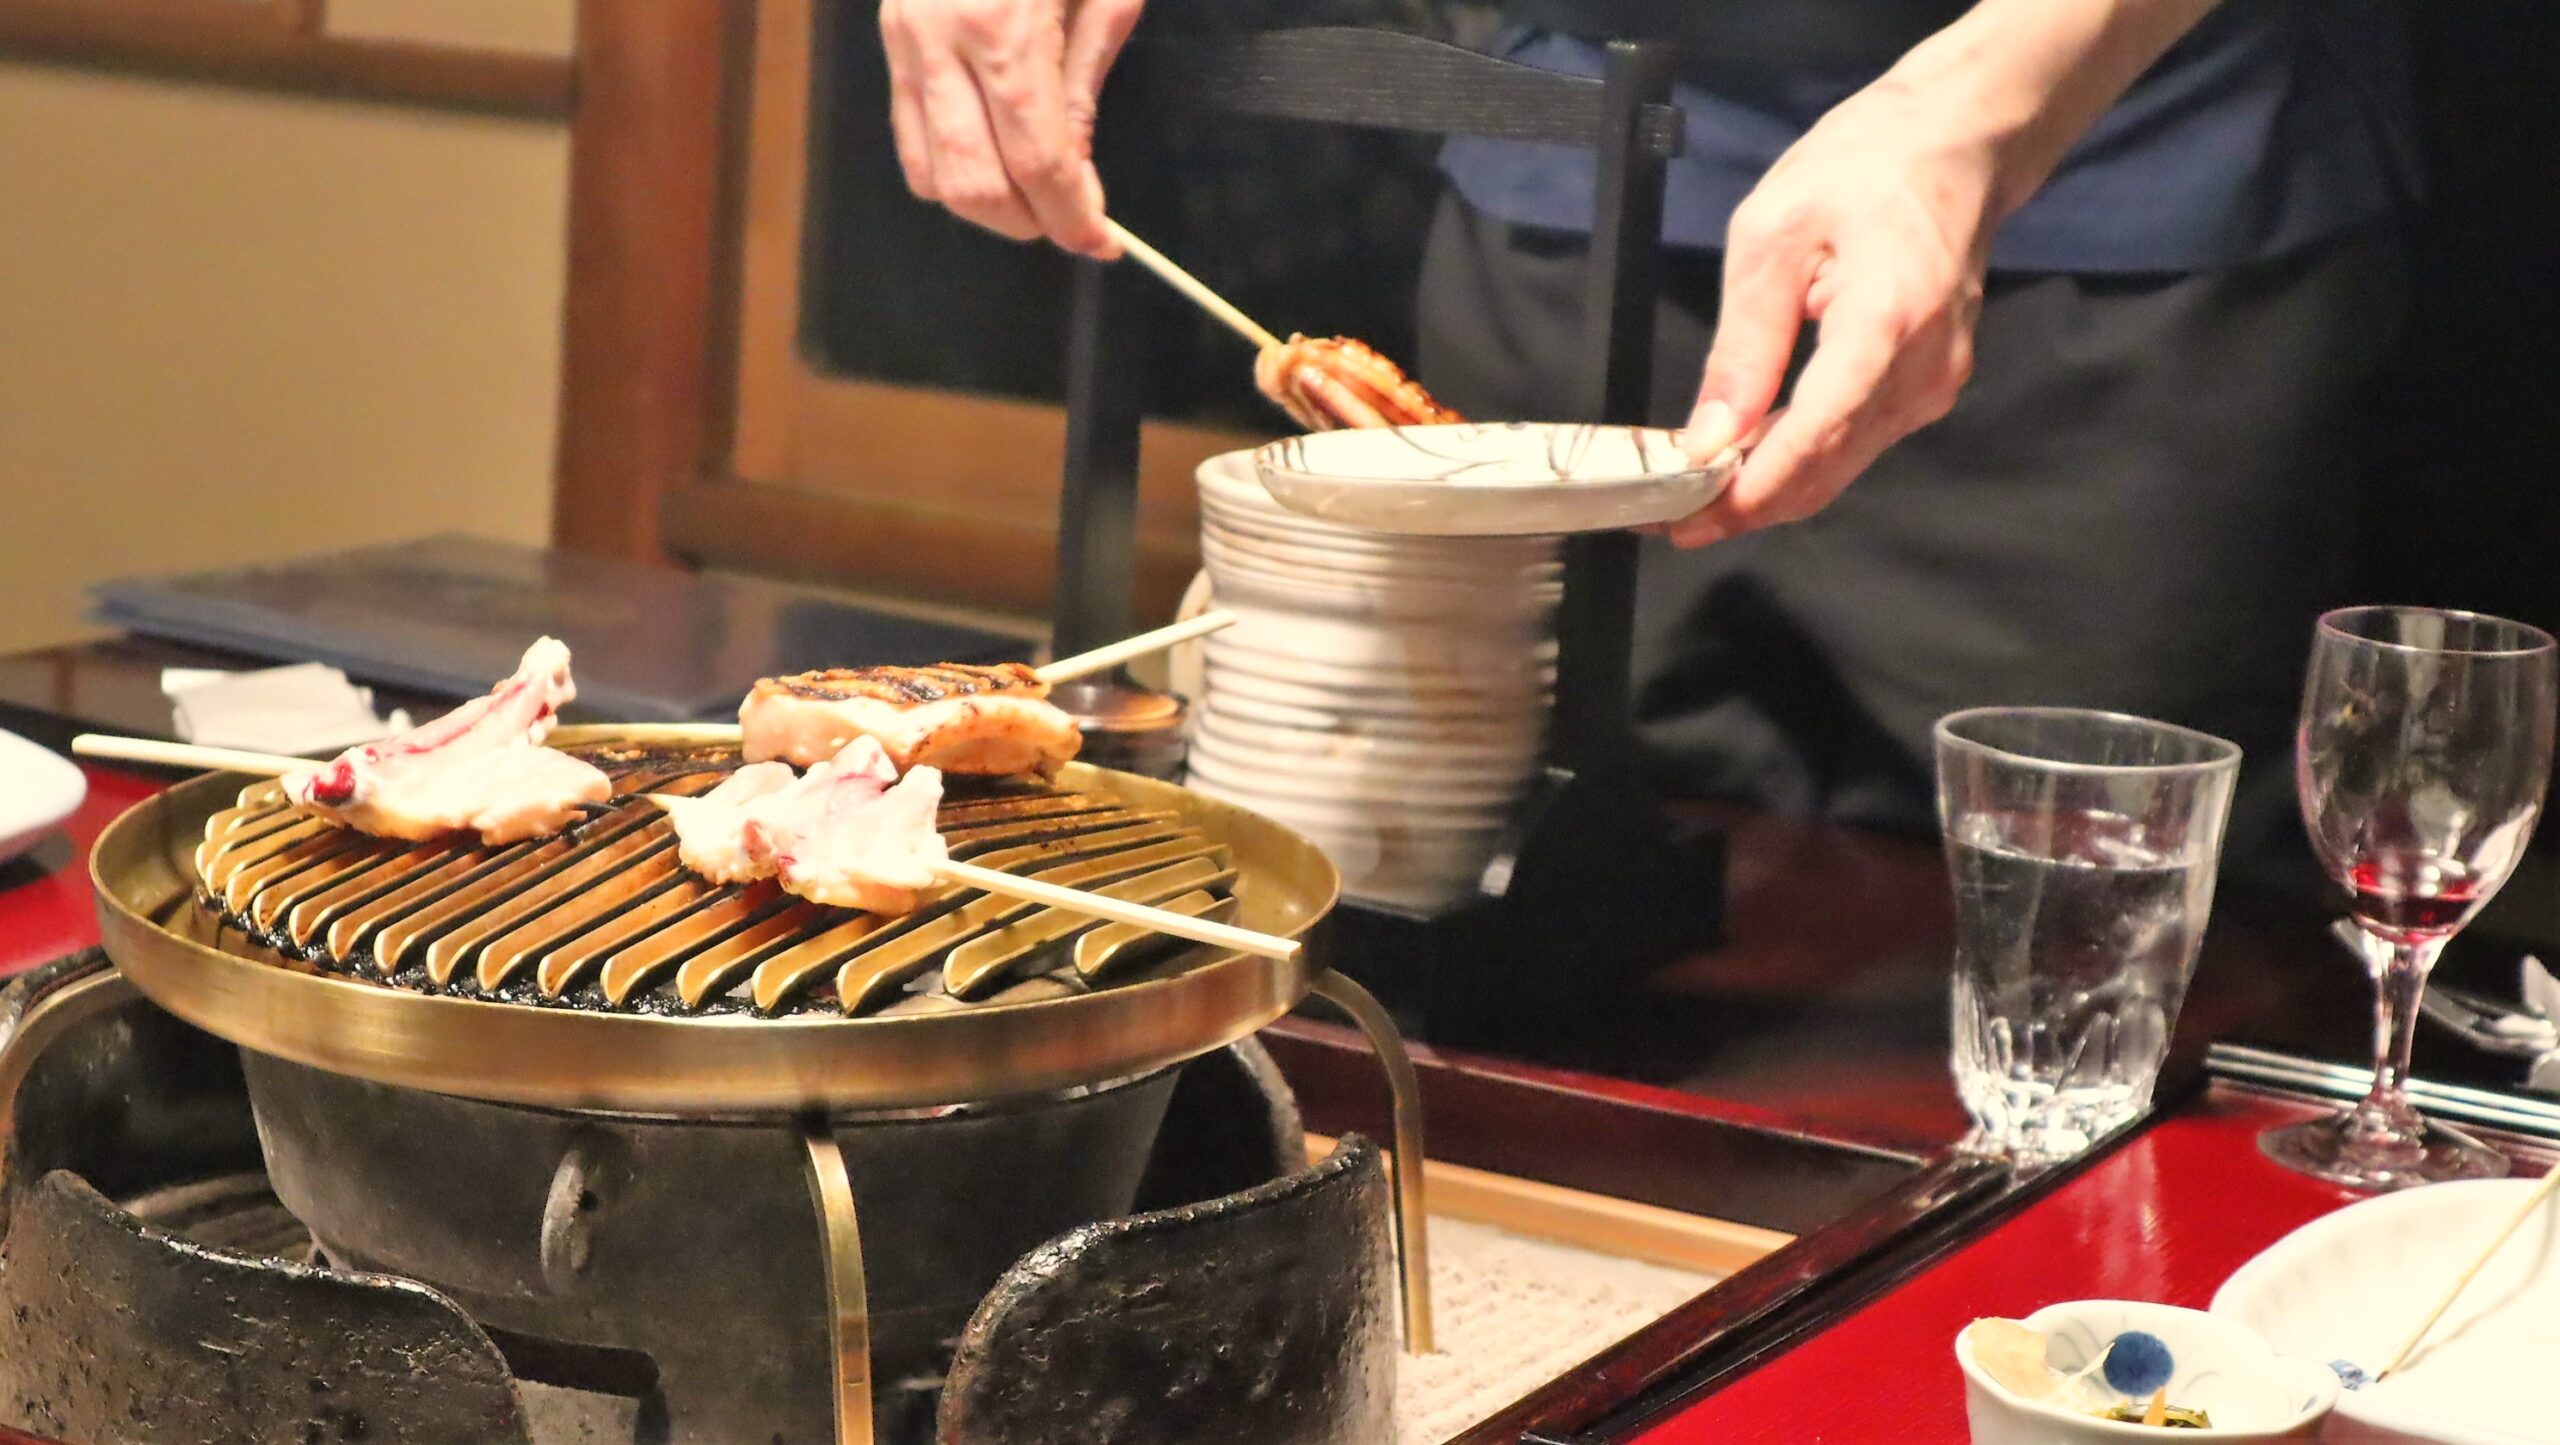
{"type": "Point", "coordinates": [2351, 1285]}
{"type": "Point", "coordinates": [1460, 801]}
{"type": "Point", "coordinates": [1276, 525]}
{"type": "Point", "coordinates": [1255, 549]}
{"type": "Point", "coordinates": [1507, 736]}
{"type": "Point", "coordinates": [1406, 709]}
{"type": "Point", "coordinates": [1505, 479]}
{"type": "Point", "coordinates": [38, 791]}
{"type": "Point", "coordinates": [1455, 754]}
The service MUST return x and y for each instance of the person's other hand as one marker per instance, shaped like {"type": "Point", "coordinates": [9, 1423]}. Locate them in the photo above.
{"type": "Point", "coordinates": [1875, 227]}
{"type": "Point", "coordinates": [993, 102]}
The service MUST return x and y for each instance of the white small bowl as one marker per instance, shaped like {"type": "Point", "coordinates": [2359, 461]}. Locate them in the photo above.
{"type": "Point", "coordinates": [38, 792]}
{"type": "Point", "coordinates": [2218, 1365]}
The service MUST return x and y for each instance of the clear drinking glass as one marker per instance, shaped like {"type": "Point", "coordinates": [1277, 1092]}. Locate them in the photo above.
{"type": "Point", "coordinates": [2423, 751]}
{"type": "Point", "coordinates": [2083, 847]}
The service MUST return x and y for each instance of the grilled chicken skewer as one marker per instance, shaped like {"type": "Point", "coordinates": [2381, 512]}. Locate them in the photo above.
{"type": "Point", "coordinates": [1335, 383]}
{"type": "Point", "coordinates": [1324, 383]}
{"type": "Point", "coordinates": [992, 721]}
{"type": "Point", "coordinates": [984, 721]}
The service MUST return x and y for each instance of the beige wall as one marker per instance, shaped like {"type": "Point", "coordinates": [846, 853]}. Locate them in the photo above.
{"type": "Point", "coordinates": [236, 326]}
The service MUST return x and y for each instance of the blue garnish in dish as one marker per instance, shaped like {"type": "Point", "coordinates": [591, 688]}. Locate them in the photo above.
{"type": "Point", "coordinates": [2351, 1374]}
{"type": "Point", "coordinates": [2138, 1363]}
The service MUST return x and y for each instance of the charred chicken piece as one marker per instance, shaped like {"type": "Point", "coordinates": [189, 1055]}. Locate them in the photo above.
{"type": "Point", "coordinates": [1333, 383]}
{"type": "Point", "coordinates": [982, 721]}
{"type": "Point", "coordinates": [850, 834]}
{"type": "Point", "coordinates": [480, 767]}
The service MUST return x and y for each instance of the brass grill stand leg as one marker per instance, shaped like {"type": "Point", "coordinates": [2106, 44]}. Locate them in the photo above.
{"type": "Point", "coordinates": [848, 1307]}
{"type": "Point", "coordinates": [1404, 1096]}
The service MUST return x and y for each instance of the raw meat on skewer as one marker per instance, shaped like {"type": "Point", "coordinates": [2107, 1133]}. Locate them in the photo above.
{"type": "Point", "coordinates": [711, 830]}
{"type": "Point", "coordinates": [869, 847]}
{"type": "Point", "coordinates": [480, 767]}
{"type": "Point", "coordinates": [1334, 383]}
{"type": "Point", "coordinates": [983, 721]}
{"type": "Point", "coordinates": [851, 833]}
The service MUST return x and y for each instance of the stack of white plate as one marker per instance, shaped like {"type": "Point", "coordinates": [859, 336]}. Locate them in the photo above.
{"type": "Point", "coordinates": [1384, 695]}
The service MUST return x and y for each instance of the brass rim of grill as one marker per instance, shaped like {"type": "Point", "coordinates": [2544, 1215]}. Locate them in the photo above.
{"type": "Point", "coordinates": [605, 916]}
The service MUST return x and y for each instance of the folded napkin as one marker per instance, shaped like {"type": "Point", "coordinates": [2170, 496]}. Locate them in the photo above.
{"type": "Point", "coordinates": [305, 708]}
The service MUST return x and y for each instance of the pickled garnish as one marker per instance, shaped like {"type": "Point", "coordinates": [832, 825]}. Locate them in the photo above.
{"type": "Point", "coordinates": [2172, 1417]}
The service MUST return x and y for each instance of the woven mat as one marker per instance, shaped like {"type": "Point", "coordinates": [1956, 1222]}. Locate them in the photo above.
{"type": "Point", "coordinates": [1512, 1313]}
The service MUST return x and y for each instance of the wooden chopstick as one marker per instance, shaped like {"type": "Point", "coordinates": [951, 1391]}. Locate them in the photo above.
{"type": "Point", "coordinates": [1115, 653]}
{"type": "Point", "coordinates": [2541, 1195]}
{"type": "Point", "coordinates": [1194, 288]}
{"type": "Point", "coordinates": [184, 755]}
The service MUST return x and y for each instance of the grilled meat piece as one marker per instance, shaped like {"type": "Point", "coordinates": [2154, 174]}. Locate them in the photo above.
{"type": "Point", "coordinates": [851, 834]}
{"type": "Point", "coordinates": [1333, 383]}
{"type": "Point", "coordinates": [480, 767]}
{"type": "Point", "coordinates": [982, 721]}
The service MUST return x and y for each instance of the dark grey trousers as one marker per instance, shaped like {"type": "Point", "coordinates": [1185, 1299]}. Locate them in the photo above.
{"type": "Point", "coordinates": [2141, 502]}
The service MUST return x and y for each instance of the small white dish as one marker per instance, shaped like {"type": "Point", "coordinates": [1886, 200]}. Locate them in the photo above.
{"type": "Point", "coordinates": [1505, 479]}
{"type": "Point", "coordinates": [39, 791]}
{"type": "Point", "coordinates": [2352, 1284]}
{"type": "Point", "coordinates": [2218, 1365]}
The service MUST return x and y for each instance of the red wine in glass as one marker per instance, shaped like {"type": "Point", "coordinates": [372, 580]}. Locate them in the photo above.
{"type": "Point", "coordinates": [2405, 899]}
{"type": "Point", "coordinates": [2421, 758]}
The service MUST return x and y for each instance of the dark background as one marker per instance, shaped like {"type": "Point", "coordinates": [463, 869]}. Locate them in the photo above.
{"type": "Point", "coordinates": [1319, 229]}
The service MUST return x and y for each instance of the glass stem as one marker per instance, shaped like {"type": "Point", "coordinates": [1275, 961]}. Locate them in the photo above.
{"type": "Point", "coordinates": [2395, 1030]}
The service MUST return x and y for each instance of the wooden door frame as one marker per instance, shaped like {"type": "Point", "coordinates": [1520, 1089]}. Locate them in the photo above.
{"type": "Point", "coordinates": [693, 422]}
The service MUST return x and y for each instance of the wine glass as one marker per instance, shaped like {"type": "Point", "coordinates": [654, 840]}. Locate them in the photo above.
{"type": "Point", "coordinates": [2422, 754]}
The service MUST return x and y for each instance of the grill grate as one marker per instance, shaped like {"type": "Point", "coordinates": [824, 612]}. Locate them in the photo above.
{"type": "Point", "coordinates": [604, 916]}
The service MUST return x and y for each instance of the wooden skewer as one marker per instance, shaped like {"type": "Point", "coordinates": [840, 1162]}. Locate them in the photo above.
{"type": "Point", "coordinates": [184, 755]}
{"type": "Point", "coordinates": [1108, 655]}
{"type": "Point", "coordinates": [1193, 287]}
{"type": "Point", "coordinates": [1096, 905]}
{"type": "Point", "coordinates": [2541, 1195]}
{"type": "Point", "coordinates": [1116, 653]}
{"type": "Point", "coordinates": [1074, 900]}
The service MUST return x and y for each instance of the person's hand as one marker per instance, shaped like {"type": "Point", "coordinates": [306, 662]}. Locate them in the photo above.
{"type": "Point", "coordinates": [1874, 226]}
{"type": "Point", "coordinates": [993, 104]}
